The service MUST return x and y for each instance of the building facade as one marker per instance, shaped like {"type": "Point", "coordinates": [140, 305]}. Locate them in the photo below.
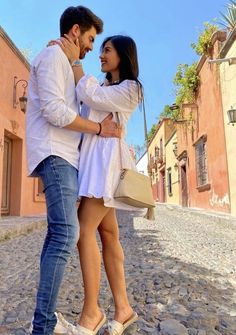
{"type": "Point", "coordinates": [157, 158]}
{"type": "Point", "coordinates": [228, 90]}
{"type": "Point", "coordinates": [19, 195]}
{"type": "Point", "coordinates": [202, 159]}
{"type": "Point", "coordinates": [142, 164]}
{"type": "Point", "coordinates": [172, 171]}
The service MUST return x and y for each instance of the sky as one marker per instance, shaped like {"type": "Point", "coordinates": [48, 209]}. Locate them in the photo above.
{"type": "Point", "coordinates": [163, 32]}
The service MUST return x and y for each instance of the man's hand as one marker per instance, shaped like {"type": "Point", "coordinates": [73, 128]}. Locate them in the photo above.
{"type": "Point", "coordinates": [110, 128]}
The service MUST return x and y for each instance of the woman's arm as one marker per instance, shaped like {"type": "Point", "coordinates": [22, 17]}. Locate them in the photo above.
{"type": "Point", "coordinates": [124, 97]}
{"type": "Point", "coordinates": [78, 72]}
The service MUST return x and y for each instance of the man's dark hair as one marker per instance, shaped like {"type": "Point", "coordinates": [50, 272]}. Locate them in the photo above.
{"type": "Point", "coordinates": [82, 16]}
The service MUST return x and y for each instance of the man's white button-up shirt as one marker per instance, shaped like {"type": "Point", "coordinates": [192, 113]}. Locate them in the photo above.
{"type": "Point", "coordinates": [51, 106]}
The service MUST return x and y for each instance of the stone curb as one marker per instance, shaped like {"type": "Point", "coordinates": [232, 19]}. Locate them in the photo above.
{"type": "Point", "coordinates": [217, 216]}
{"type": "Point", "coordinates": [14, 228]}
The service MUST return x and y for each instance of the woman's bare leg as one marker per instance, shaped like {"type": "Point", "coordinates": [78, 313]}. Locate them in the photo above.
{"type": "Point", "coordinates": [91, 212]}
{"type": "Point", "coordinates": [113, 257]}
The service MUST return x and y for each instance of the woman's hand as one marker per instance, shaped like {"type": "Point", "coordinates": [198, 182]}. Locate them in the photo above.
{"type": "Point", "coordinates": [69, 47]}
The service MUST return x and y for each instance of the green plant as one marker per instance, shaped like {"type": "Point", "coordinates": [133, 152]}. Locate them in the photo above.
{"type": "Point", "coordinates": [151, 132]}
{"type": "Point", "coordinates": [186, 81]}
{"type": "Point", "coordinates": [229, 19]}
{"type": "Point", "coordinates": [27, 53]}
{"type": "Point", "coordinates": [170, 112]}
{"type": "Point", "coordinates": [167, 112]}
{"type": "Point", "coordinates": [204, 45]}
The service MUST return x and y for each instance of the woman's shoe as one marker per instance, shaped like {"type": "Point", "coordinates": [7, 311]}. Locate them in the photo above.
{"type": "Point", "coordinates": [117, 328]}
{"type": "Point", "coordinates": [79, 330]}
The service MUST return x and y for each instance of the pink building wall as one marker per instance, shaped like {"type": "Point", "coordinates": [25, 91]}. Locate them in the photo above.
{"type": "Point", "coordinates": [207, 115]}
{"type": "Point", "coordinates": [25, 195]}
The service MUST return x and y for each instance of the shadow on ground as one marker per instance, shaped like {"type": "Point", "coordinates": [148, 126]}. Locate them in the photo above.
{"type": "Point", "coordinates": [159, 287]}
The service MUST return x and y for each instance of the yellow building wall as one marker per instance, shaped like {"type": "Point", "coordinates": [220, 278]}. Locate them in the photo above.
{"type": "Point", "coordinates": [160, 133]}
{"type": "Point", "coordinates": [228, 87]}
{"type": "Point", "coordinates": [171, 165]}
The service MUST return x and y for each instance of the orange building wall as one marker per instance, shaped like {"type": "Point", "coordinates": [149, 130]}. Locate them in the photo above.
{"type": "Point", "coordinates": [155, 191]}
{"type": "Point", "coordinates": [207, 120]}
{"type": "Point", "coordinates": [23, 190]}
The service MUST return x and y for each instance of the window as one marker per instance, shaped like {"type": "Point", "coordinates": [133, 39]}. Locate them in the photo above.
{"type": "Point", "coordinates": [169, 182]}
{"type": "Point", "coordinates": [38, 190]}
{"type": "Point", "coordinates": [201, 162]}
{"type": "Point", "coordinates": [40, 186]}
{"type": "Point", "coordinates": [156, 153]}
{"type": "Point", "coordinates": [161, 148]}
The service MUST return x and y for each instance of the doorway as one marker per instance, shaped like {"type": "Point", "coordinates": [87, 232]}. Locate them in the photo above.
{"type": "Point", "coordinates": [162, 187]}
{"type": "Point", "coordinates": [184, 186]}
{"type": "Point", "coordinates": [6, 176]}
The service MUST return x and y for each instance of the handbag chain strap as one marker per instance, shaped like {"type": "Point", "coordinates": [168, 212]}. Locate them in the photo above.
{"type": "Point", "coordinates": [121, 163]}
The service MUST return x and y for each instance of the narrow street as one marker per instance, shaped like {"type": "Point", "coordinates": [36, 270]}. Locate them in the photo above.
{"type": "Point", "coordinates": [181, 276]}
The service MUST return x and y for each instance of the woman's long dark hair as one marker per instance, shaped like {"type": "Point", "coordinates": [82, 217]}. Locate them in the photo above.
{"type": "Point", "coordinates": [128, 66]}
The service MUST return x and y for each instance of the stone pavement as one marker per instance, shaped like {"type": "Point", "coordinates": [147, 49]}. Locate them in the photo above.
{"type": "Point", "coordinates": [12, 226]}
{"type": "Point", "coordinates": [180, 269]}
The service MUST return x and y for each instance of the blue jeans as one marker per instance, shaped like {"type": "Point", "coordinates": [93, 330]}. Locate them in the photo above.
{"type": "Point", "coordinates": [60, 181]}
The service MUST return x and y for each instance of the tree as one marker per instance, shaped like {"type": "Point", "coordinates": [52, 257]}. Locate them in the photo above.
{"type": "Point", "coordinates": [229, 19]}
{"type": "Point", "coordinates": [167, 112]}
{"type": "Point", "coordinates": [204, 45]}
{"type": "Point", "coordinates": [151, 132]}
{"type": "Point", "coordinates": [139, 150]}
{"type": "Point", "coordinates": [27, 53]}
{"type": "Point", "coordinates": [186, 81]}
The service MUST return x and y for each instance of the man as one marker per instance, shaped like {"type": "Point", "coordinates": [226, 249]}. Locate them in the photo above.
{"type": "Point", "coordinates": [53, 129]}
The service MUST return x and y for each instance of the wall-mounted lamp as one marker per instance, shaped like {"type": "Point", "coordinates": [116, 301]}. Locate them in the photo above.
{"type": "Point", "coordinates": [232, 115]}
{"type": "Point", "coordinates": [174, 106]}
{"type": "Point", "coordinates": [175, 149]}
{"type": "Point", "coordinates": [23, 98]}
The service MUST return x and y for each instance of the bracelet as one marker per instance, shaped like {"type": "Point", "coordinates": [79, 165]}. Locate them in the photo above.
{"type": "Point", "coordinates": [100, 129]}
{"type": "Point", "coordinates": [76, 62]}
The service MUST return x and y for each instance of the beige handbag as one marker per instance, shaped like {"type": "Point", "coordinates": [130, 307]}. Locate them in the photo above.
{"type": "Point", "coordinates": [134, 188]}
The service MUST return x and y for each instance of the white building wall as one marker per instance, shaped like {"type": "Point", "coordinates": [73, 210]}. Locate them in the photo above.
{"type": "Point", "coordinates": [142, 164]}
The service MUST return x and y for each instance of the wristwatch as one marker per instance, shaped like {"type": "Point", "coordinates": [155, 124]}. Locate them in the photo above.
{"type": "Point", "coordinates": [76, 62]}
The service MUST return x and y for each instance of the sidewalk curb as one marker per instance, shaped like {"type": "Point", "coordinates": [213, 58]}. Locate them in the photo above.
{"type": "Point", "coordinates": [17, 227]}
{"type": "Point", "coordinates": [217, 216]}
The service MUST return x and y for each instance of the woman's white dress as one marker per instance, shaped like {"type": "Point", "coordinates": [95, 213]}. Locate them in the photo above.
{"type": "Point", "coordinates": [100, 161]}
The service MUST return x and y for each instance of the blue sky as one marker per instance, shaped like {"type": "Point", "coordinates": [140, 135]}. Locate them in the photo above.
{"type": "Point", "coordinates": [162, 30]}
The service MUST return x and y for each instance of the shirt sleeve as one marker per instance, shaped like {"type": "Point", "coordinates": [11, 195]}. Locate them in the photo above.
{"type": "Point", "coordinates": [51, 74]}
{"type": "Point", "coordinates": [116, 98]}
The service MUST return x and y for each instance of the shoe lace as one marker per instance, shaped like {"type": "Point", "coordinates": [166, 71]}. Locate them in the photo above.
{"type": "Point", "coordinates": [69, 326]}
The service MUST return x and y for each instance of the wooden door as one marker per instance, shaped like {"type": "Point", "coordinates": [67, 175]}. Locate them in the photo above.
{"type": "Point", "coordinates": [184, 186]}
{"type": "Point", "coordinates": [6, 178]}
{"type": "Point", "coordinates": [162, 186]}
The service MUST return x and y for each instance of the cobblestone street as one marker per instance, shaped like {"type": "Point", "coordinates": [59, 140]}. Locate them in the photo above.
{"type": "Point", "coordinates": [180, 269]}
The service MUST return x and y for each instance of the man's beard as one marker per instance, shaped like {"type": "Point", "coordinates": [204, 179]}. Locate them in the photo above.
{"type": "Point", "coordinates": [82, 49]}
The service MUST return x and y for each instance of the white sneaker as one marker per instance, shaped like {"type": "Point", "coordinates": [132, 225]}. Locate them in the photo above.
{"type": "Point", "coordinates": [62, 327]}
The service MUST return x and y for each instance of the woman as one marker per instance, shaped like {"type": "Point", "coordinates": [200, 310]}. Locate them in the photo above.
{"type": "Point", "coordinates": [99, 173]}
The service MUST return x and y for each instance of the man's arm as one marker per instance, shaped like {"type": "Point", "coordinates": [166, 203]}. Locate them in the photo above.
{"type": "Point", "coordinates": [51, 86]}
{"type": "Point", "coordinates": [108, 127]}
